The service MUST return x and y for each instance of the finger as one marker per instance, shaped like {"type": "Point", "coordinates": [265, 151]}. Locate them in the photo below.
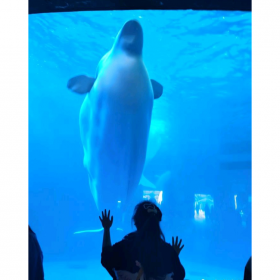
{"type": "Point", "coordinates": [109, 214]}
{"type": "Point", "coordinates": [176, 239]}
{"type": "Point", "coordinates": [100, 219]}
{"type": "Point", "coordinates": [172, 240]}
{"type": "Point", "coordinates": [182, 247]}
{"type": "Point", "coordinates": [180, 242]}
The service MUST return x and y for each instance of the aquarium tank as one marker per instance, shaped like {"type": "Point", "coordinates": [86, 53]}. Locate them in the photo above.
{"type": "Point", "coordinates": [187, 147]}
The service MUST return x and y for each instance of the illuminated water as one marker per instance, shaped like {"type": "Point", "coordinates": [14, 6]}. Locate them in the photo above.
{"type": "Point", "coordinates": [199, 154]}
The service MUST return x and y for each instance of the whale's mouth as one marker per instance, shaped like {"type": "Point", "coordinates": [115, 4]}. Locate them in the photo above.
{"type": "Point", "coordinates": [131, 37]}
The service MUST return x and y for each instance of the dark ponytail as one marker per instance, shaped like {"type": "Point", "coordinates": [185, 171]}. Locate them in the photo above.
{"type": "Point", "coordinates": [147, 217]}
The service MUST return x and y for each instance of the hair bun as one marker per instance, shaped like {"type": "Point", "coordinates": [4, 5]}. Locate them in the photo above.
{"type": "Point", "coordinates": [152, 211]}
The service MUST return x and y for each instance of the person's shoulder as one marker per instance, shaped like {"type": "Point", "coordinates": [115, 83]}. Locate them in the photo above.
{"type": "Point", "coordinates": [167, 245]}
{"type": "Point", "coordinates": [130, 237]}
{"type": "Point", "coordinates": [169, 250]}
{"type": "Point", "coordinates": [127, 239]}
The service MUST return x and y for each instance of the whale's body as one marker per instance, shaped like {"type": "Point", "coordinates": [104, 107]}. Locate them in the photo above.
{"type": "Point", "coordinates": [115, 119]}
{"type": "Point", "coordinates": [114, 122]}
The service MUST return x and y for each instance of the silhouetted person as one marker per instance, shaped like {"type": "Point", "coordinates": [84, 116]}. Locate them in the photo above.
{"type": "Point", "coordinates": [35, 265]}
{"type": "Point", "coordinates": [143, 252]}
{"type": "Point", "coordinates": [248, 270]}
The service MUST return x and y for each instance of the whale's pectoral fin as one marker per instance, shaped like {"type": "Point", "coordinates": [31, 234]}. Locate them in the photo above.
{"type": "Point", "coordinates": [81, 84]}
{"type": "Point", "coordinates": [158, 89]}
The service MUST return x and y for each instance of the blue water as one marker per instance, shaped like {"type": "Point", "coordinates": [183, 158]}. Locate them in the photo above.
{"type": "Point", "coordinates": [199, 147]}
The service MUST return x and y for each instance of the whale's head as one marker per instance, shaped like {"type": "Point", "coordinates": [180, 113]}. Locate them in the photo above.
{"type": "Point", "coordinates": [130, 38]}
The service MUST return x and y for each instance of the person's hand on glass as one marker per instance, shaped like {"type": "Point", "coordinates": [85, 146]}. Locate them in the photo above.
{"type": "Point", "coordinates": [105, 220]}
{"type": "Point", "coordinates": [177, 245]}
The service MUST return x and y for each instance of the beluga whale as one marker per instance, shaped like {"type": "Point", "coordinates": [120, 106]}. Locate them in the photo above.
{"type": "Point", "coordinates": [115, 119]}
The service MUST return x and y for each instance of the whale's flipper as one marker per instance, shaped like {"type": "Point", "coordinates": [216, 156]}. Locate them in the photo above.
{"type": "Point", "coordinates": [157, 88]}
{"type": "Point", "coordinates": [81, 84]}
